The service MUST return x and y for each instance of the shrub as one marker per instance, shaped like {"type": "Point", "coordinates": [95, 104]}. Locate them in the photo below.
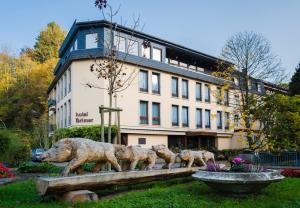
{"type": "Point", "coordinates": [291, 173]}
{"type": "Point", "coordinates": [29, 167]}
{"type": "Point", "coordinates": [17, 147]}
{"type": "Point", "coordinates": [89, 132]}
{"type": "Point", "coordinates": [5, 172]}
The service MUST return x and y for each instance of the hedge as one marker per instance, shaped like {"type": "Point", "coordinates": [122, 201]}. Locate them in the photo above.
{"type": "Point", "coordinates": [89, 132]}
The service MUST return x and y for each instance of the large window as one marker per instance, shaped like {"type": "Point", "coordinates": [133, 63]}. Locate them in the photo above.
{"type": "Point", "coordinates": [185, 116]}
{"type": "Point", "coordinates": [185, 89]}
{"type": "Point", "coordinates": [155, 114]}
{"type": "Point", "coordinates": [237, 100]}
{"type": "Point", "coordinates": [219, 120]}
{"type": "Point", "coordinates": [143, 112]}
{"type": "Point", "coordinates": [155, 83]}
{"type": "Point", "coordinates": [227, 120]}
{"type": "Point", "coordinates": [133, 47]}
{"type": "Point", "coordinates": [226, 97]}
{"type": "Point", "coordinates": [218, 95]}
{"type": "Point", "coordinates": [143, 81]}
{"type": "Point", "coordinates": [70, 80]}
{"type": "Point", "coordinates": [66, 115]}
{"type": "Point", "coordinates": [174, 87]}
{"type": "Point", "coordinates": [120, 43]}
{"type": "Point", "coordinates": [207, 93]}
{"type": "Point", "coordinates": [198, 91]}
{"type": "Point", "coordinates": [70, 112]}
{"type": "Point", "coordinates": [66, 83]}
{"type": "Point", "coordinates": [199, 118]}
{"type": "Point", "coordinates": [207, 118]}
{"type": "Point", "coordinates": [146, 52]}
{"type": "Point", "coordinates": [157, 54]}
{"type": "Point", "coordinates": [175, 119]}
{"type": "Point", "coordinates": [91, 40]}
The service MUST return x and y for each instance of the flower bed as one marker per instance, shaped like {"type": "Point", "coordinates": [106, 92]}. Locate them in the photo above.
{"type": "Point", "coordinates": [291, 173]}
{"type": "Point", "coordinates": [5, 172]}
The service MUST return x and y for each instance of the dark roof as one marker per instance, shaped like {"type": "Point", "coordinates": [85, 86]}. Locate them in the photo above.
{"type": "Point", "coordinates": [103, 23]}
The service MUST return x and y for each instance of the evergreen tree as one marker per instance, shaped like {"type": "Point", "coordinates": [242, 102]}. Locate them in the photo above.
{"type": "Point", "coordinates": [294, 86]}
{"type": "Point", "coordinates": [48, 43]}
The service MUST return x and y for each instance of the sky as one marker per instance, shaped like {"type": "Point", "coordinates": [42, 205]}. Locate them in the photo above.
{"type": "Point", "coordinates": [203, 25]}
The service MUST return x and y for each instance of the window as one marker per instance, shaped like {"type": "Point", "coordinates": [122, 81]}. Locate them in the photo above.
{"type": "Point", "coordinates": [185, 116]}
{"type": "Point", "coordinates": [198, 91]}
{"type": "Point", "coordinates": [226, 97]}
{"type": "Point", "coordinates": [175, 119]}
{"type": "Point", "coordinates": [249, 84]}
{"type": "Point", "coordinates": [69, 116]}
{"type": "Point", "coordinates": [146, 52]}
{"type": "Point", "coordinates": [155, 83]}
{"type": "Point", "coordinates": [70, 78]}
{"type": "Point", "coordinates": [199, 118]}
{"type": "Point", "coordinates": [66, 115]}
{"type": "Point", "coordinates": [185, 89]}
{"type": "Point", "coordinates": [142, 140]}
{"type": "Point", "coordinates": [133, 47]}
{"type": "Point", "coordinates": [120, 43]}
{"type": "Point", "coordinates": [219, 95]}
{"type": "Point", "coordinates": [227, 120]}
{"type": "Point", "coordinates": [75, 45]}
{"type": "Point", "coordinates": [207, 118]}
{"type": "Point", "coordinates": [66, 83]}
{"type": "Point", "coordinates": [157, 54]}
{"type": "Point", "coordinates": [155, 114]}
{"type": "Point", "coordinates": [219, 120]}
{"type": "Point", "coordinates": [61, 88]}
{"type": "Point", "coordinates": [174, 87]}
{"type": "Point", "coordinates": [237, 100]}
{"type": "Point", "coordinates": [58, 118]}
{"type": "Point", "coordinates": [236, 121]}
{"type": "Point", "coordinates": [143, 82]}
{"type": "Point", "coordinates": [258, 87]}
{"type": "Point", "coordinates": [143, 112]}
{"type": "Point", "coordinates": [207, 93]}
{"type": "Point", "coordinates": [61, 116]}
{"type": "Point", "coordinates": [57, 92]}
{"type": "Point", "coordinates": [91, 40]}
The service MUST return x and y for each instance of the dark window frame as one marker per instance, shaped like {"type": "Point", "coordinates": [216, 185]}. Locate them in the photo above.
{"type": "Point", "coordinates": [208, 88]}
{"type": "Point", "coordinates": [200, 90]}
{"type": "Point", "coordinates": [156, 119]}
{"type": "Point", "coordinates": [144, 120]}
{"type": "Point", "coordinates": [147, 81]}
{"type": "Point", "coordinates": [142, 141]}
{"type": "Point", "coordinates": [187, 89]}
{"type": "Point", "coordinates": [158, 77]}
{"type": "Point", "coordinates": [207, 126]}
{"type": "Point", "coordinates": [177, 87]}
{"type": "Point", "coordinates": [227, 120]}
{"type": "Point", "coordinates": [219, 113]}
{"type": "Point", "coordinates": [201, 118]}
{"type": "Point", "coordinates": [187, 115]}
{"type": "Point", "coordinates": [177, 122]}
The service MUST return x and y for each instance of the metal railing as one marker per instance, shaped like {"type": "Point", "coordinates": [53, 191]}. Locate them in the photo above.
{"type": "Point", "coordinates": [286, 159]}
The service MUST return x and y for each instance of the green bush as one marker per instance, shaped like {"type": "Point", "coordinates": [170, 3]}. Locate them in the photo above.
{"type": "Point", "coordinates": [17, 148]}
{"type": "Point", "coordinates": [30, 167]}
{"type": "Point", "coordinates": [89, 132]}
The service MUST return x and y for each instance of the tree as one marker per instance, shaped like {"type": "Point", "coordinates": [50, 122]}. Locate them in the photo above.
{"type": "Point", "coordinates": [280, 119]}
{"type": "Point", "coordinates": [294, 85]}
{"type": "Point", "coordinates": [251, 55]}
{"type": "Point", "coordinates": [48, 43]}
{"type": "Point", "coordinates": [112, 68]}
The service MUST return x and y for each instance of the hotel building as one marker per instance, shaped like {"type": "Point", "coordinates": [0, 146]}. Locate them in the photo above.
{"type": "Point", "coordinates": [170, 101]}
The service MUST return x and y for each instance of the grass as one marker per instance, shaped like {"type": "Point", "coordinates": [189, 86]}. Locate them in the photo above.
{"type": "Point", "coordinates": [171, 194]}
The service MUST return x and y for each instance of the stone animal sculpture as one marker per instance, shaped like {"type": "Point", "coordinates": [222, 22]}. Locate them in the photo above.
{"type": "Point", "coordinates": [196, 157]}
{"type": "Point", "coordinates": [163, 152]}
{"type": "Point", "coordinates": [134, 154]}
{"type": "Point", "coordinates": [79, 150]}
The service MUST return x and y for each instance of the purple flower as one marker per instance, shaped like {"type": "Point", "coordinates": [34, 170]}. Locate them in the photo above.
{"type": "Point", "coordinates": [237, 160]}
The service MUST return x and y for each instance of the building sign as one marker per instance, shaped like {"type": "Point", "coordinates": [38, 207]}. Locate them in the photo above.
{"type": "Point", "coordinates": [83, 117]}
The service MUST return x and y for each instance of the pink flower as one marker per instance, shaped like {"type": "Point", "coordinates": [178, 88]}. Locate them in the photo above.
{"type": "Point", "coordinates": [237, 160]}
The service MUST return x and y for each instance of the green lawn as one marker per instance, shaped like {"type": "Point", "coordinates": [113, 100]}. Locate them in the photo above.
{"type": "Point", "coordinates": [172, 193]}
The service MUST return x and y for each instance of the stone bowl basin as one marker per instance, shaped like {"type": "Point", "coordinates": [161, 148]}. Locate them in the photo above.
{"type": "Point", "coordinates": [238, 183]}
